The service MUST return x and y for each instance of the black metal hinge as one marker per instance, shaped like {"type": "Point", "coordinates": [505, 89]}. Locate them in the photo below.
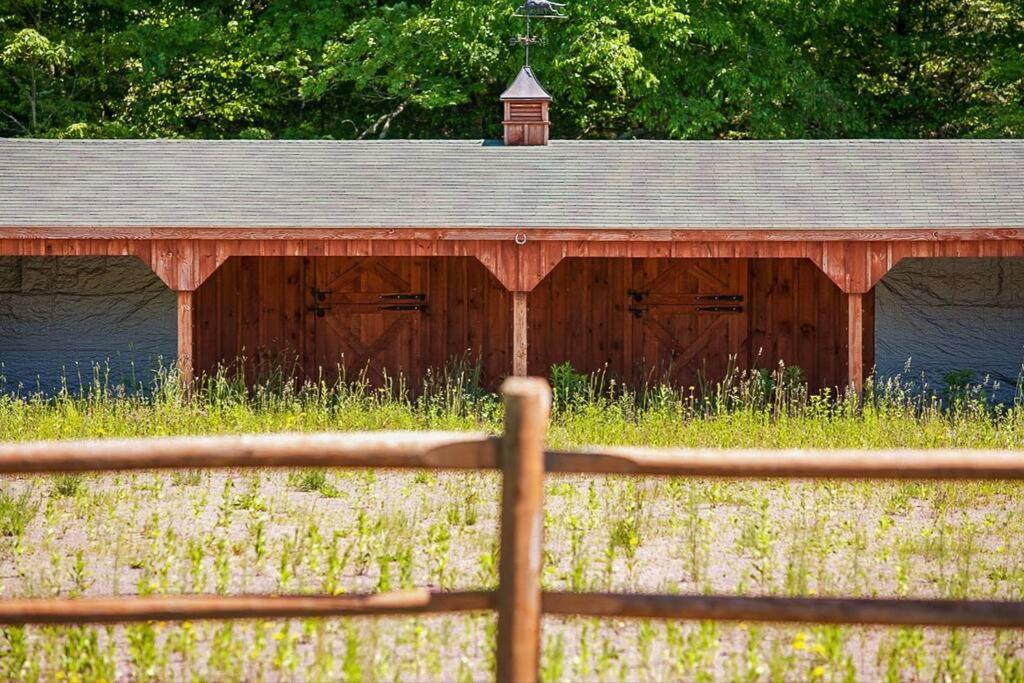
{"type": "Point", "coordinates": [403, 297]}
{"type": "Point", "coordinates": [720, 309]}
{"type": "Point", "coordinates": [407, 307]}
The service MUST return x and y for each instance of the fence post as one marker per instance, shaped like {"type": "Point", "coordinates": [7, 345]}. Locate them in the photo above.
{"type": "Point", "coordinates": [527, 405]}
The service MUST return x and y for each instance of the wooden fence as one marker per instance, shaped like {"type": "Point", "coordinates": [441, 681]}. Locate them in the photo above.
{"type": "Point", "coordinates": [519, 454]}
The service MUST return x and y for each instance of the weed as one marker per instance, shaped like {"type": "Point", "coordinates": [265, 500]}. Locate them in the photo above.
{"type": "Point", "coordinates": [313, 481]}
{"type": "Point", "coordinates": [187, 477]}
{"type": "Point", "coordinates": [67, 485]}
{"type": "Point", "coordinates": [16, 513]}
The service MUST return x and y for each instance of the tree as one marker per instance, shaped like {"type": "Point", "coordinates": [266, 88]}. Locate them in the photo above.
{"type": "Point", "coordinates": [32, 63]}
{"type": "Point", "coordinates": [434, 68]}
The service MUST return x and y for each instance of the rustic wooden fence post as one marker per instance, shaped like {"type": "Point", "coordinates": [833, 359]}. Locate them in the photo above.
{"type": "Point", "coordinates": [527, 405]}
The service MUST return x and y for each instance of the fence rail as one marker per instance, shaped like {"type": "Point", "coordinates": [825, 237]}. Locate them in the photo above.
{"type": "Point", "coordinates": [382, 450]}
{"type": "Point", "coordinates": [520, 456]}
{"type": "Point", "coordinates": [865, 611]}
{"type": "Point", "coordinates": [462, 451]}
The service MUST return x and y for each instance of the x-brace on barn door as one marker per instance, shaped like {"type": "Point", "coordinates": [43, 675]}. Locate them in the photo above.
{"type": "Point", "coordinates": [367, 313]}
{"type": "Point", "coordinates": [689, 317]}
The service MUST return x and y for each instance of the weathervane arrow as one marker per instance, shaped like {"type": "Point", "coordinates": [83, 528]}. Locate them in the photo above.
{"type": "Point", "coordinates": [535, 9]}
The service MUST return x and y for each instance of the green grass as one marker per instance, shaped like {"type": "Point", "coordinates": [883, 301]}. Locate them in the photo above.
{"type": "Point", "coordinates": [744, 410]}
{"type": "Point", "coordinates": [326, 531]}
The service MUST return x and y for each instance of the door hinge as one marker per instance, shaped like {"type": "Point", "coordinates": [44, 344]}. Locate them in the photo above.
{"type": "Point", "coordinates": [405, 307]}
{"type": "Point", "coordinates": [403, 297]}
{"type": "Point", "coordinates": [720, 309]}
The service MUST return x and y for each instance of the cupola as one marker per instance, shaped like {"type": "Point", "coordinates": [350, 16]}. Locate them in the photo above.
{"type": "Point", "coordinates": [526, 105]}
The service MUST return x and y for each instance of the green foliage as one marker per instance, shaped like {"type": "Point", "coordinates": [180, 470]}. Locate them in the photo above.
{"type": "Point", "coordinates": [960, 385]}
{"type": "Point", "coordinates": [313, 481]}
{"type": "Point", "coordinates": [15, 514]}
{"type": "Point", "coordinates": [67, 485]}
{"type": "Point", "coordinates": [569, 387]}
{"type": "Point", "coordinates": [434, 68]}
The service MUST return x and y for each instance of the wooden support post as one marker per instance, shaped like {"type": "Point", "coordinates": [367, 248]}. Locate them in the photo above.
{"type": "Point", "coordinates": [855, 341]}
{"type": "Point", "coordinates": [520, 334]}
{"type": "Point", "coordinates": [186, 342]}
{"type": "Point", "coordinates": [527, 404]}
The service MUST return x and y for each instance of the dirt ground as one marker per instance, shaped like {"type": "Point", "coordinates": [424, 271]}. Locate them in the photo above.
{"type": "Point", "coordinates": [364, 531]}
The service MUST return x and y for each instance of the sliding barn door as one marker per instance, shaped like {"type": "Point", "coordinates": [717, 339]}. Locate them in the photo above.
{"type": "Point", "coordinates": [367, 314]}
{"type": "Point", "coordinates": [689, 318]}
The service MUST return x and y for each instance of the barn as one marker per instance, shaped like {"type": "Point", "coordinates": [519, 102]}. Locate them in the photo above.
{"type": "Point", "coordinates": [646, 259]}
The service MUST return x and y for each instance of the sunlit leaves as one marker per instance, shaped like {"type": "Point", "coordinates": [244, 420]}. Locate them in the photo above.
{"type": "Point", "coordinates": [434, 68]}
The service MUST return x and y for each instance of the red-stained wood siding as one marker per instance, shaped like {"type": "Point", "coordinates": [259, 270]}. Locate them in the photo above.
{"type": "Point", "coordinates": [252, 309]}
{"type": "Point", "coordinates": [581, 313]}
{"type": "Point", "coordinates": [791, 312]}
{"type": "Point", "coordinates": [261, 309]}
{"type": "Point", "coordinates": [258, 308]}
{"type": "Point", "coordinates": [798, 317]}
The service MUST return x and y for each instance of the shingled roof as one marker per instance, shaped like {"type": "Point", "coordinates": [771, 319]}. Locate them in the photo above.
{"type": "Point", "coordinates": [469, 184]}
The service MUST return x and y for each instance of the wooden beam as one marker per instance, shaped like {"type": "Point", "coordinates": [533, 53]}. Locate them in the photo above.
{"type": "Point", "coordinates": [527, 404]}
{"type": "Point", "coordinates": [387, 450]}
{"type": "Point", "coordinates": [855, 341]}
{"type": "Point", "coordinates": [505, 233]}
{"type": "Point", "coordinates": [811, 464]}
{"type": "Point", "coordinates": [186, 337]}
{"type": "Point", "coordinates": [119, 610]}
{"type": "Point", "coordinates": [888, 612]}
{"type": "Point", "coordinates": [469, 451]}
{"type": "Point", "coordinates": [520, 333]}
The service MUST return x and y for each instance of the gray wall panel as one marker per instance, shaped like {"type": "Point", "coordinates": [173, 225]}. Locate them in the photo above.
{"type": "Point", "coordinates": [59, 316]}
{"type": "Point", "coordinates": [945, 314]}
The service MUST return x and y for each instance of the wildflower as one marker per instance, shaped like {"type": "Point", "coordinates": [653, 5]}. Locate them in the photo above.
{"type": "Point", "coordinates": [818, 672]}
{"type": "Point", "coordinates": [800, 641]}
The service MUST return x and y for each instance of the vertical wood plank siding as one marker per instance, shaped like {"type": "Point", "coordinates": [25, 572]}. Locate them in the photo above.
{"type": "Point", "coordinates": [258, 308]}
{"type": "Point", "coordinates": [792, 313]}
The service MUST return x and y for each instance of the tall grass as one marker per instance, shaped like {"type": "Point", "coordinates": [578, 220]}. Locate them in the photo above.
{"type": "Point", "coordinates": [743, 409]}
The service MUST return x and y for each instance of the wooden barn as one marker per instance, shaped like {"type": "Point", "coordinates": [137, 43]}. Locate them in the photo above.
{"type": "Point", "coordinates": [647, 259]}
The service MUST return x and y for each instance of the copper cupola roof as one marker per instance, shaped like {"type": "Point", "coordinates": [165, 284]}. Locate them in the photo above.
{"type": "Point", "coordinates": [525, 87]}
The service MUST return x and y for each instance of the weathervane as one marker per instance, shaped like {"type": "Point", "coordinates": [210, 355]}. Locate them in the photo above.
{"type": "Point", "coordinates": [535, 9]}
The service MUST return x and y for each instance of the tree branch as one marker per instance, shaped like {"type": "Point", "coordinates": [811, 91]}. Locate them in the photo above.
{"type": "Point", "coordinates": [384, 122]}
{"type": "Point", "coordinates": [16, 121]}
